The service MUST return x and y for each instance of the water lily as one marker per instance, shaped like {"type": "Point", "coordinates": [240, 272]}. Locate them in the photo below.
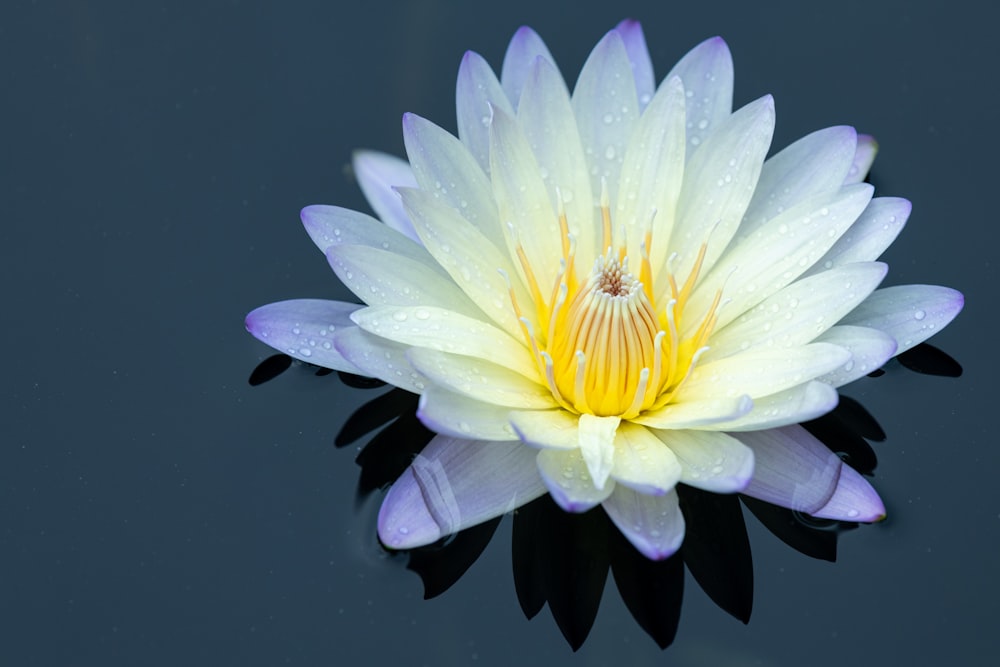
{"type": "Point", "coordinates": [606, 293]}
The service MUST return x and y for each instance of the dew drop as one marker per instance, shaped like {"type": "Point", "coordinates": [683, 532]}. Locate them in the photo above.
{"type": "Point", "coordinates": [608, 119]}
{"type": "Point", "coordinates": [919, 315]}
{"type": "Point", "coordinates": [422, 314]}
{"type": "Point", "coordinates": [399, 316]}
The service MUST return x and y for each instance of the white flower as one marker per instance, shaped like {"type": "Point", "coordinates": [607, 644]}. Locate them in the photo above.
{"type": "Point", "coordinates": [604, 294]}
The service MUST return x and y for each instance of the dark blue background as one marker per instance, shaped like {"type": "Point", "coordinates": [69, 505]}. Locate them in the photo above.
{"type": "Point", "coordinates": [156, 510]}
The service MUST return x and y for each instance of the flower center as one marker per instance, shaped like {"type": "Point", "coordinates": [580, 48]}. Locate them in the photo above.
{"type": "Point", "coordinates": [607, 348]}
{"type": "Point", "coordinates": [603, 354]}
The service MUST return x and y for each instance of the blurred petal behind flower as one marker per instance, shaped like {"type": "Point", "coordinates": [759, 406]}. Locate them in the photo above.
{"type": "Point", "coordinates": [606, 293]}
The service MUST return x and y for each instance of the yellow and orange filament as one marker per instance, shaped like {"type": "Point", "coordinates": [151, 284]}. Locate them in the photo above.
{"type": "Point", "coordinates": [605, 347]}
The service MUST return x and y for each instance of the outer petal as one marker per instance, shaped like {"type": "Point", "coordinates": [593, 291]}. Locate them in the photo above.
{"type": "Point", "coordinates": [446, 331]}
{"type": "Point", "coordinates": [448, 413]}
{"type": "Point", "coordinates": [638, 56]}
{"type": "Point", "coordinates": [863, 159]}
{"type": "Point", "coordinates": [478, 94]}
{"type": "Point", "coordinates": [379, 358]}
{"type": "Point", "coordinates": [455, 484]}
{"type": "Point", "coordinates": [869, 348]}
{"type": "Point", "coordinates": [378, 174]}
{"type": "Point", "coordinates": [697, 414]}
{"type": "Point", "coordinates": [779, 251]}
{"type": "Point", "coordinates": [522, 200]}
{"type": "Point", "coordinates": [446, 170]}
{"type": "Point", "coordinates": [791, 406]}
{"type": "Point", "coordinates": [909, 313]}
{"type": "Point", "coordinates": [711, 461]}
{"type": "Point", "coordinates": [718, 183]}
{"type": "Point", "coordinates": [853, 500]}
{"type": "Point", "coordinates": [814, 164]}
{"type": "Point", "coordinates": [875, 229]}
{"type": "Point", "coordinates": [524, 48]}
{"type": "Point", "coordinates": [568, 480]}
{"type": "Point", "coordinates": [653, 173]}
{"type": "Point", "coordinates": [382, 278]}
{"type": "Point", "coordinates": [546, 118]}
{"type": "Point", "coordinates": [481, 380]}
{"type": "Point", "coordinates": [607, 109]}
{"type": "Point", "coordinates": [761, 372]}
{"type": "Point", "coordinates": [597, 445]}
{"type": "Point", "coordinates": [707, 73]}
{"type": "Point", "coordinates": [328, 226]}
{"type": "Point", "coordinates": [642, 462]}
{"type": "Point", "coordinates": [653, 524]}
{"type": "Point", "coordinates": [800, 312]}
{"type": "Point", "coordinates": [474, 263]}
{"type": "Point", "coordinates": [304, 329]}
{"type": "Point", "coordinates": [791, 468]}
{"type": "Point", "coordinates": [555, 429]}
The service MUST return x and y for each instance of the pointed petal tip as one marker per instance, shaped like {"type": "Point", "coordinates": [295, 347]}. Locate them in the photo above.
{"type": "Point", "coordinates": [854, 499]}
{"type": "Point", "coordinates": [403, 519]}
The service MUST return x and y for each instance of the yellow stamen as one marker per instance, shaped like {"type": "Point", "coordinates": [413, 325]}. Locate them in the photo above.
{"type": "Point", "coordinates": [607, 349]}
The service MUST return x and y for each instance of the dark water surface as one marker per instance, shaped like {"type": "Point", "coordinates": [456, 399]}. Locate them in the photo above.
{"type": "Point", "coordinates": [158, 510]}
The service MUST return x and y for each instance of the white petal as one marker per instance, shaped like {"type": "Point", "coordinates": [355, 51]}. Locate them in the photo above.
{"type": "Point", "coordinates": [869, 348]}
{"type": "Point", "coordinates": [652, 173]}
{"type": "Point", "coordinates": [638, 57]}
{"type": "Point", "coordinates": [607, 109]}
{"type": "Point", "coordinates": [814, 164]}
{"type": "Point", "coordinates": [909, 313]}
{"type": "Point", "coordinates": [447, 331]}
{"type": "Point", "coordinates": [653, 524]}
{"type": "Point", "coordinates": [568, 480]}
{"type": "Point", "coordinates": [761, 372]}
{"type": "Point", "coordinates": [328, 226]}
{"type": "Point", "coordinates": [480, 380]}
{"type": "Point", "coordinates": [477, 95]}
{"type": "Point", "coordinates": [642, 462]}
{"type": "Point", "coordinates": [853, 500]}
{"type": "Point", "coordinates": [546, 117]}
{"type": "Point", "coordinates": [696, 414]}
{"type": "Point", "coordinates": [378, 174]}
{"type": "Point", "coordinates": [383, 278]}
{"type": "Point", "coordinates": [445, 169]}
{"type": "Point", "coordinates": [718, 183]}
{"type": "Point", "coordinates": [791, 406]}
{"type": "Point", "coordinates": [380, 358]}
{"type": "Point", "coordinates": [799, 312]}
{"type": "Point", "coordinates": [448, 413]}
{"type": "Point", "coordinates": [778, 252]}
{"type": "Point", "coordinates": [472, 261]}
{"type": "Point", "coordinates": [597, 445]}
{"type": "Point", "coordinates": [875, 229]}
{"type": "Point", "coordinates": [707, 73]}
{"type": "Point", "coordinates": [711, 461]}
{"type": "Point", "coordinates": [304, 329]}
{"type": "Point", "coordinates": [863, 159]}
{"type": "Point", "coordinates": [522, 200]}
{"type": "Point", "coordinates": [791, 468]}
{"type": "Point", "coordinates": [556, 429]}
{"type": "Point", "coordinates": [454, 484]}
{"type": "Point", "coordinates": [525, 47]}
